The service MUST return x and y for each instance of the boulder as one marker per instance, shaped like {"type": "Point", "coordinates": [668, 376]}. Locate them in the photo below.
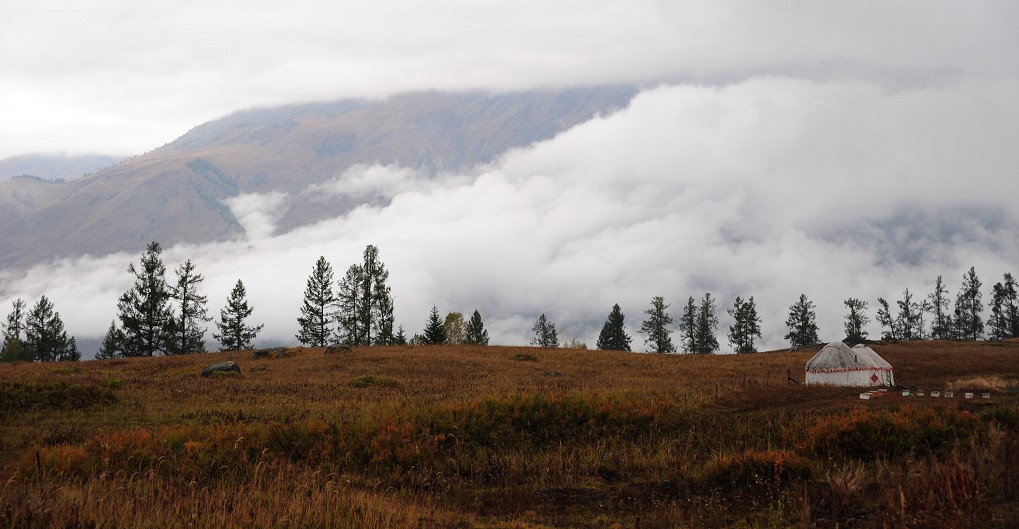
{"type": "Point", "coordinates": [223, 367]}
{"type": "Point", "coordinates": [257, 368]}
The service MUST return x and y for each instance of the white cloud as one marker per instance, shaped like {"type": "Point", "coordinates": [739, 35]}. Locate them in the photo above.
{"type": "Point", "coordinates": [125, 78]}
{"type": "Point", "coordinates": [768, 188]}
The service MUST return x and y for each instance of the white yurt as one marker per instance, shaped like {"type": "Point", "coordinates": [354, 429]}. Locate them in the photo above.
{"type": "Point", "coordinates": [837, 364]}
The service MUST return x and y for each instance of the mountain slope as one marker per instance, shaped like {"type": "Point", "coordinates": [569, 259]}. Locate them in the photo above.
{"type": "Point", "coordinates": [175, 193]}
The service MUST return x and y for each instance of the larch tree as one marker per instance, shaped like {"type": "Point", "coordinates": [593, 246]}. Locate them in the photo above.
{"type": "Point", "coordinates": [186, 330]}
{"type": "Point", "coordinates": [365, 312]}
{"type": "Point", "coordinates": [112, 345]}
{"type": "Point", "coordinates": [475, 333]}
{"type": "Point", "coordinates": [656, 327]}
{"type": "Point", "coordinates": [234, 332]}
{"type": "Point", "coordinates": [435, 333]}
{"type": "Point", "coordinates": [941, 318]}
{"type": "Point", "coordinates": [969, 307]}
{"type": "Point", "coordinates": [544, 333]}
{"type": "Point", "coordinates": [688, 326]}
{"type": "Point", "coordinates": [802, 323]}
{"type": "Point", "coordinates": [613, 335]}
{"type": "Point", "coordinates": [746, 325]}
{"type": "Point", "coordinates": [13, 349]}
{"type": "Point", "coordinates": [314, 327]}
{"type": "Point", "coordinates": [909, 318]}
{"type": "Point", "coordinates": [856, 320]}
{"type": "Point", "coordinates": [144, 310]}
{"type": "Point", "coordinates": [707, 325]}
{"type": "Point", "coordinates": [45, 336]}
{"type": "Point", "coordinates": [888, 322]}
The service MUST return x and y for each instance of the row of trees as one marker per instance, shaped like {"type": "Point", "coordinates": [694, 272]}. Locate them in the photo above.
{"type": "Point", "coordinates": [698, 323]}
{"type": "Point", "coordinates": [158, 317]}
{"type": "Point", "coordinates": [37, 336]}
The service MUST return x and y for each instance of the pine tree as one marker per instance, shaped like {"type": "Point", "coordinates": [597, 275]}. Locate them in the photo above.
{"type": "Point", "coordinates": [112, 346]}
{"type": "Point", "coordinates": [435, 333]}
{"type": "Point", "coordinates": [317, 309]}
{"type": "Point", "coordinates": [856, 320]}
{"type": "Point", "coordinates": [707, 324]}
{"type": "Point", "coordinates": [613, 335]}
{"type": "Point", "coordinates": [476, 333]}
{"type": "Point", "coordinates": [889, 324]}
{"type": "Point", "coordinates": [45, 336]}
{"type": "Point", "coordinates": [688, 326]}
{"type": "Point", "coordinates": [802, 323]}
{"type": "Point", "coordinates": [144, 309]}
{"type": "Point", "coordinates": [656, 327]}
{"type": "Point", "coordinates": [969, 306]}
{"type": "Point", "coordinates": [746, 325]}
{"type": "Point", "coordinates": [941, 320]}
{"type": "Point", "coordinates": [188, 336]}
{"type": "Point", "coordinates": [234, 333]}
{"type": "Point", "coordinates": [14, 349]}
{"type": "Point", "coordinates": [544, 333]}
{"type": "Point", "coordinates": [454, 327]}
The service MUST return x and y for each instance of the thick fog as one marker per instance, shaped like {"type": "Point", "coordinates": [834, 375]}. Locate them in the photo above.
{"type": "Point", "coordinates": [768, 187]}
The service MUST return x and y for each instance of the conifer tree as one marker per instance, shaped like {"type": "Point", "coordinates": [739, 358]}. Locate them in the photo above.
{"type": "Point", "coordinates": [969, 306]}
{"type": "Point", "coordinates": [112, 343]}
{"type": "Point", "coordinates": [544, 333]}
{"type": "Point", "coordinates": [746, 325]}
{"type": "Point", "coordinates": [909, 316]}
{"type": "Point", "coordinates": [802, 323]}
{"type": "Point", "coordinates": [45, 336]}
{"type": "Point", "coordinates": [187, 333]}
{"type": "Point", "coordinates": [455, 328]}
{"type": "Point", "coordinates": [476, 333]}
{"type": "Point", "coordinates": [13, 347]}
{"type": "Point", "coordinates": [317, 309]}
{"type": "Point", "coordinates": [401, 337]}
{"type": "Point", "coordinates": [435, 333]}
{"type": "Point", "coordinates": [1011, 304]}
{"type": "Point", "coordinates": [941, 319]}
{"type": "Point", "coordinates": [688, 326]}
{"type": "Point", "coordinates": [71, 353]}
{"type": "Point", "coordinates": [707, 324]}
{"type": "Point", "coordinates": [856, 320]}
{"type": "Point", "coordinates": [144, 309]}
{"type": "Point", "coordinates": [1002, 321]}
{"type": "Point", "coordinates": [656, 327]}
{"type": "Point", "coordinates": [889, 324]}
{"type": "Point", "coordinates": [613, 335]}
{"type": "Point", "coordinates": [365, 312]}
{"type": "Point", "coordinates": [351, 329]}
{"type": "Point", "coordinates": [234, 333]}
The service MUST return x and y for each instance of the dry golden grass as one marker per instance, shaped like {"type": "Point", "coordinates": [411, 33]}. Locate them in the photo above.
{"type": "Point", "coordinates": [461, 436]}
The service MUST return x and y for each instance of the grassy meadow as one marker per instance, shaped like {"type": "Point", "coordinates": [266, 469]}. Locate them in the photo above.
{"type": "Point", "coordinates": [508, 437]}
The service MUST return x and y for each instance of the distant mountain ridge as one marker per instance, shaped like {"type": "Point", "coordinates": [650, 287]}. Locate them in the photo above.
{"type": "Point", "coordinates": [55, 166]}
{"type": "Point", "coordinates": [176, 193]}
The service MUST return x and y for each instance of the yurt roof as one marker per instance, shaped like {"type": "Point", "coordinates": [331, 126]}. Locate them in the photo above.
{"type": "Point", "coordinates": [876, 358]}
{"type": "Point", "coordinates": [838, 356]}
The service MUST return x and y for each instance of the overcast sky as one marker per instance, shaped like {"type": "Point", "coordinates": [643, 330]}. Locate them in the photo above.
{"type": "Point", "coordinates": [125, 77]}
{"type": "Point", "coordinates": [836, 149]}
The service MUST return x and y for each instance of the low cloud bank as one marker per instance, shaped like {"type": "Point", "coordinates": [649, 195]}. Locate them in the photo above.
{"type": "Point", "coordinates": [766, 188]}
